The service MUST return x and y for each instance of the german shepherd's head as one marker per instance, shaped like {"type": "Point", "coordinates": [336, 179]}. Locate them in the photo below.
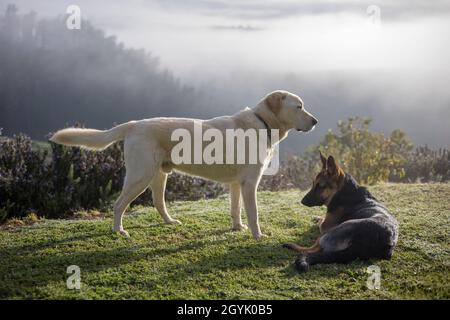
{"type": "Point", "coordinates": [326, 184]}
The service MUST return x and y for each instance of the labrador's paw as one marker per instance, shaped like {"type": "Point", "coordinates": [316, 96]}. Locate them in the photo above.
{"type": "Point", "coordinates": [122, 232]}
{"type": "Point", "coordinates": [259, 236]}
{"type": "Point", "coordinates": [173, 221]}
{"type": "Point", "coordinates": [239, 227]}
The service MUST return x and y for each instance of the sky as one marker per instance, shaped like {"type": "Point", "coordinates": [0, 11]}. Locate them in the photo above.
{"type": "Point", "coordinates": [241, 49]}
{"type": "Point", "coordinates": [199, 38]}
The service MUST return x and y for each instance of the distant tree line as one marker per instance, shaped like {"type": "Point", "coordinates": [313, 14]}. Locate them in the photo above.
{"type": "Point", "coordinates": [51, 76]}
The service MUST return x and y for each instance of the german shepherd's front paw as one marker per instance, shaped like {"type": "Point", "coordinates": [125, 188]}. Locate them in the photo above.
{"type": "Point", "coordinates": [317, 220]}
{"type": "Point", "coordinates": [301, 264]}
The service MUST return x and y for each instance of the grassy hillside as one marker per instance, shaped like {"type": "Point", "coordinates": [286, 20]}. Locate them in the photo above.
{"type": "Point", "coordinates": [203, 259]}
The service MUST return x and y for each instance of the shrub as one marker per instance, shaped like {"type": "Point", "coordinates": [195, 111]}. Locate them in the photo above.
{"type": "Point", "coordinates": [426, 165]}
{"type": "Point", "coordinates": [57, 182]}
{"type": "Point", "coordinates": [24, 179]}
{"type": "Point", "coordinates": [52, 180]}
{"type": "Point", "coordinates": [294, 172]}
{"type": "Point", "coordinates": [369, 156]}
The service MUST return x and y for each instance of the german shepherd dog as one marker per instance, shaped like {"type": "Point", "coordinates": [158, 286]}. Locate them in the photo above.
{"type": "Point", "coordinates": [356, 225]}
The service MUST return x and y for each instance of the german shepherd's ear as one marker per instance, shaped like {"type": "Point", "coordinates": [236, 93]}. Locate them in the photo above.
{"type": "Point", "coordinates": [332, 166]}
{"type": "Point", "coordinates": [324, 161]}
{"type": "Point", "coordinates": [274, 101]}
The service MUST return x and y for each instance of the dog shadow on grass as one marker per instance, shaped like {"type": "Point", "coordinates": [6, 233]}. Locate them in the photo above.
{"type": "Point", "coordinates": [260, 255]}
{"type": "Point", "coordinates": [25, 269]}
{"type": "Point", "coordinates": [30, 266]}
{"type": "Point", "coordinates": [265, 256]}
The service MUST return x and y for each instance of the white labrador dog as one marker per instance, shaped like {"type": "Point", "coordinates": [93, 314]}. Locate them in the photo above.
{"type": "Point", "coordinates": [148, 145]}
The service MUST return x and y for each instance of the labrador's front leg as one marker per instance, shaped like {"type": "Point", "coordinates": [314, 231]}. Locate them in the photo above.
{"type": "Point", "coordinates": [235, 196]}
{"type": "Point", "coordinates": [251, 208]}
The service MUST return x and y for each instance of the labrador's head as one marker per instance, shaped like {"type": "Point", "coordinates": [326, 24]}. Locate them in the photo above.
{"type": "Point", "coordinates": [290, 110]}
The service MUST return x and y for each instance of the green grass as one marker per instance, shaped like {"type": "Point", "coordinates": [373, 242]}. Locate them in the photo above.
{"type": "Point", "coordinates": [203, 259]}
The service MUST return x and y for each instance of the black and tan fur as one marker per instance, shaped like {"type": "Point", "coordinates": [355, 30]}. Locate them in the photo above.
{"type": "Point", "coordinates": [356, 225]}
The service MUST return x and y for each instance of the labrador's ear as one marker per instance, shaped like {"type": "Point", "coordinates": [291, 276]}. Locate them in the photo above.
{"type": "Point", "coordinates": [324, 161]}
{"type": "Point", "coordinates": [274, 101]}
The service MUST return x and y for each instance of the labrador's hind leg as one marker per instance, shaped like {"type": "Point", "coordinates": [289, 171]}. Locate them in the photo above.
{"type": "Point", "coordinates": [140, 168]}
{"type": "Point", "coordinates": [132, 188]}
{"type": "Point", "coordinates": [158, 186]}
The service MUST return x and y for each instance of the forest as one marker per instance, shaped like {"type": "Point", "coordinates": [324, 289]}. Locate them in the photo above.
{"type": "Point", "coordinates": [50, 75]}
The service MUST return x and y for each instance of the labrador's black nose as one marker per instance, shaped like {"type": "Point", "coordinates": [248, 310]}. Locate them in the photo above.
{"type": "Point", "coordinates": [314, 121]}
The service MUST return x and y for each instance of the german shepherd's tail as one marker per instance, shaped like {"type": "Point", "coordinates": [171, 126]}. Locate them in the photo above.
{"type": "Point", "coordinates": [90, 138]}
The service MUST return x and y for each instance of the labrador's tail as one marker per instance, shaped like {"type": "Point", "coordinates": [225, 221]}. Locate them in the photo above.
{"type": "Point", "coordinates": [90, 138]}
